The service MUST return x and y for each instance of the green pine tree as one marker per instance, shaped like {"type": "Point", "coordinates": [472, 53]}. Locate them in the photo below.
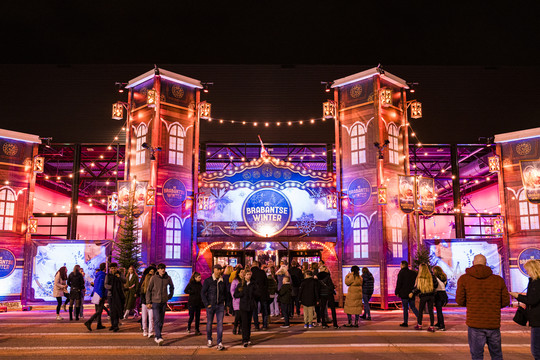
{"type": "Point", "coordinates": [422, 256]}
{"type": "Point", "coordinates": [126, 245]}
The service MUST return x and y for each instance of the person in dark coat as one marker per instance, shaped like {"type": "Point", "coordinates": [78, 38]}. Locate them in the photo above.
{"type": "Point", "coordinates": [326, 294]}
{"type": "Point", "coordinates": [368, 283]}
{"type": "Point", "coordinates": [114, 283]}
{"type": "Point", "coordinates": [76, 283]}
{"type": "Point", "coordinates": [260, 279]}
{"type": "Point", "coordinates": [99, 288]}
{"type": "Point", "coordinates": [532, 301]}
{"type": "Point", "coordinates": [246, 291]}
{"type": "Point", "coordinates": [285, 300]}
{"type": "Point", "coordinates": [213, 297]}
{"type": "Point", "coordinates": [160, 290]}
{"type": "Point", "coordinates": [309, 296]}
{"type": "Point", "coordinates": [404, 285]}
{"type": "Point", "coordinates": [195, 304]}
{"type": "Point", "coordinates": [296, 279]}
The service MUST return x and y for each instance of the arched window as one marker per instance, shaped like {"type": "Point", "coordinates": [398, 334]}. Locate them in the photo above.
{"type": "Point", "coordinates": [360, 238]}
{"type": "Point", "coordinates": [528, 213]}
{"type": "Point", "coordinates": [358, 144]}
{"type": "Point", "coordinates": [176, 145]}
{"type": "Point", "coordinates": [173, 237]}
{"type": "Point", "coordinates": [140, 152]}
{"type": "Point", "coordinates": [7, 209]}
{"type": "Point", "coordinates": [393, 146]}
{"type": "Point", "coordinates": [397, 237]}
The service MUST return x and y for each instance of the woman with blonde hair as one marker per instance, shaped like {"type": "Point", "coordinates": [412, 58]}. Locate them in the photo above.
{"type": "Point", "coordinates": [147, 315]}
{"type": "Point", "coordinates": [228, 298]}
{"type": "Point", "coordinates": [426, 283]}
{"type": "Point", "coordinates": [441, 298]}
{"type": "Point", "coordinates": [532, 300]}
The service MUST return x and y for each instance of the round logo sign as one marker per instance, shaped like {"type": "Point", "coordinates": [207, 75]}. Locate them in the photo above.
{"type": "Point", "coordinates": [267, 212]}
{"type": "Point", "coordinates": [526, 255]}
{"type": "Point", "coordinates": [7, 263]}
{"type": "Point", "coordinates": [359, 191]}
{"type": "Point", "coordinates": [174, 192]}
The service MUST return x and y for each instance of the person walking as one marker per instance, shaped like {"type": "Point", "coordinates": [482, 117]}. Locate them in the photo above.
{"type": "Point", "coordinates": [285, 300]}
{"type": "Point", "coordinates": [147, 315]}
{"type": "Point", "coordinates": [326, 294]}
{"type": "Point", "coordinates": [213, 297]}
{"type": "Point", "coordinates": [441, 298]}
{"type": "Point", "coordinates": [245, 292]}
{"type": "Point", "coordinates": [272, 291]}
{"type": "Point", "coordinates": [296, 279]}
{"type": "Point", "coordinates": [228, 298]}
{"type": "Point", "coordinates": [60, 289]}
{"type": "Point", "coordinates": [114, 283]}
{"type": "Point", "coordinates": [532, 300]}
{"type": "Point", "coordinates": [368, 284]}
{"type": "Point", "coordinates": [131, 289]}
{"type": "Point", "coordinates": [195, 304]}
{"type": "Point", "coordinates": [83, 294]}
{"type": "Point", "coordinates": [426, 283]}
{"type": "Point", "coordinates": [309, 296]}
{"type": "Point", "coordinates": [237, 324]}
{"type": "Point", "coordinates": [484, 294]}
{"type": "Point", "coordinates": [353, 301]}
{"type": "Point", "coordinates": [99, 289]}
{"type": "Point", "coordinates": [259, 277]}
{"type": "Point", "coordinates": [157, 297]}
{"type": "Point", "coordinates": [76, 283]}
{"type": "Point", "coordinates": [404, 286]}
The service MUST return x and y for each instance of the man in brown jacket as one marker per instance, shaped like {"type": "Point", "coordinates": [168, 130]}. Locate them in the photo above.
{"type": "Point", "coordinates": [484, 294]}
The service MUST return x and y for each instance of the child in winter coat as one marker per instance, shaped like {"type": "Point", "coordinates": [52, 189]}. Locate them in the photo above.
{"type": "Point", "coordinates": [285, 300]}
{"type": "Point", "coordinates": [309, 296]}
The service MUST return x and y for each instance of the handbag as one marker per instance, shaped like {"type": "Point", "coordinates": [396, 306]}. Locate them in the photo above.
{"type": "Point", "coordinates": [95, 299]}
{"type": "Point", "coordinates": [520, 317]}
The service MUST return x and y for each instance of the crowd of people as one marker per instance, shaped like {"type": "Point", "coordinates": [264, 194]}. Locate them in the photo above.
{"type": "Point", "coordinates": [261, 289]}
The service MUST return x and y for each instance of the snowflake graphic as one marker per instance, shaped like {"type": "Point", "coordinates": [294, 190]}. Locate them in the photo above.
{"type": "Point", "coordinates": [306, 223]}
{"type": "Point", "coordinates": [220, 199]}
{"type": "Point", "coordinates": [317, 194]}
{"type": "Point", "coordinates": [329, 227]}
{"type": "Point", "coordinates": [233, 225]}
{"type": "Point", "coordinates": [207, 228]}
{"type": "Point", "coordinates": [42, 257]}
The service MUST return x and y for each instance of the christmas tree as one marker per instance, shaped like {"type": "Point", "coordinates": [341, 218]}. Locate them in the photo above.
{"type": "Point", "coordinates": [422, 256]}
{"type": "Point", "coordinates": [127, 246]}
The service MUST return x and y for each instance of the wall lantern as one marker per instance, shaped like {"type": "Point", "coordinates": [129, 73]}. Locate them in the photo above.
{"type": "Point", "coordinates": [151, 97]}
{"type": "Point", "coordinates": [118, 111]}
{"type": "Point", "coordinates": [416, 110]}
{"type": "Point", "coordinates": [386, 97]}
{"type": "Point", "coordinates": [150, 196]}
{"type": "Point", "coordinates": [331, 201]}
{"type": "Point", "coordinates": [205, 110]}
{"type": "Point", "coordinates": [32, 225]}
{"type": "Point", "coordinates": [204, 202]}
{"type": "Point", "coordinates": [39, 164]}
{"type": "Point", "coordinates": [329, 110]}
{"type": "Point", "coordinates": [382, 196]}
{"type": "Point", "coordinates": [494, 163]}
{"type": "Point", "coordinates": [498, 225]}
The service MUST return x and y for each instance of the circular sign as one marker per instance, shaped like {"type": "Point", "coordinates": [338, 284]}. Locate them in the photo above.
{"type": "Point", "coordinates": [526, 255]}
{"type": "Point", "coordinates": [267, 212]}
{"type": "Point", "coordinates": [7, 263]}
{"type": "Point", "coordinates": [359, 191]}
{"type": "Point", "coordinates": [174, 192]}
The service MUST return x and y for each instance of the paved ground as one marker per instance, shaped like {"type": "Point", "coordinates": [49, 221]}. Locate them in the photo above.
{"type": "Point", "coordinates": [37, 335]}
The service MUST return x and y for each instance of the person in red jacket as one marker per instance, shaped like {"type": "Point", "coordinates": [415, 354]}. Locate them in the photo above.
{"type": "Point", "coordinates": [484, 294]}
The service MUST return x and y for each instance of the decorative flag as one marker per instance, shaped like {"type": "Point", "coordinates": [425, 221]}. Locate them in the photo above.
{"type": "Point", "coordinates": [382, 198]}
{"type": "Point", "coordinates": [264, 153]}
{"type": "Point", "coordinates": [406, 193]}
{"type": "Point", "coordinates": [530, 176]}
{"type": "Point", "coordinates": [426, 195]}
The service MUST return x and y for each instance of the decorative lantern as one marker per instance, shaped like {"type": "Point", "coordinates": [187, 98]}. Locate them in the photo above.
{"type": "Point", "coordinates": [494, 163]}
{"type": "Point", "coordinates": [416, 110]}
{"type": "Point", "coordinates": [117, 111]}
{"type": "Point", "coordinates": [150, 196]}
{"type": "Point", "coordinates": [112, 202]}
{"type": "Point", "coordinates": [498, 225]}
{"type": "Point", "coordinates": [382, 198]}
{"type": "Point", "coordinates": [39, 164]}
{"type": "Point", "coordinates": [151, 98]}
{"type": "Point", "coordinates": [204, 201]}
{"type": "Point", "coordinates": [331, 201]}
{"type": "Point", "coordinates": [32, 225]}
{"type": "Point", "coordinates": [329, 110]}
{"type": "Point", "coordinates": [205, 110]}
{"type": "Point", "coordinates": [386, 97]}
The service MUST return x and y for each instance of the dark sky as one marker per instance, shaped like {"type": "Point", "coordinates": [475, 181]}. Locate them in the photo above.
{"type": "Point", "coordinates": [477, 65]}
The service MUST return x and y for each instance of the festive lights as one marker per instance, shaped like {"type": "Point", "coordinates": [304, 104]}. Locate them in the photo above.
{"type": "Point", "coordinates": [151, 98]}
{"type": "Point", "coordinates": [416, 110]}
{"type": "Point", "coordinates": [118, 111]}
{"type": "Point", "coordinates": [386, 97]}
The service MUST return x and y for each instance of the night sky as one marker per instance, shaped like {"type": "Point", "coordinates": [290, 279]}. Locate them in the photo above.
{"type": "Point", "coordinates": [477, 65]}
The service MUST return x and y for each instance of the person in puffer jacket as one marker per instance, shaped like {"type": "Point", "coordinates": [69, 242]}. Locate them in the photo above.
{"type": "Point", "coordinates": [368, 283]}
{"type": "Point", "coordinates": [157, 297]}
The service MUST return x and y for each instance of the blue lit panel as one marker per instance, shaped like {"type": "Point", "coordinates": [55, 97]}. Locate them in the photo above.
{"type": "Point", "coordinates": [180, 277]}
{"type": "Point", "coordinates": [11, 285]}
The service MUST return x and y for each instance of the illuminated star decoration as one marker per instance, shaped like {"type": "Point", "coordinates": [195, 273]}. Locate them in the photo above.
{"type": "Point", "coordinates": [317, 194]}
{"type": "Point", "coordinates": [306, 223]}
{"type": "Point", "coordinates": [207, 228]}
{"type": "Point", "coordinates": [233, 225]}
{"type": "Point", "coordinates": [220, 199]}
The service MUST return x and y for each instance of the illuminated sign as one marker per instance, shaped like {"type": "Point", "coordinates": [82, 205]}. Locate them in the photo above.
{"type": "Point", "coordinates": [7, 263]}
{"type": "Point", "coordinates": [359, 191]}
{"type": "Point", "coordinates": [174, 192]}
{"type": "Point", "coordinates": [382, 198]}
{"type": "Point", "coordinates": [266, 212]}
{"type": "Point", "coordinates": [526, 255]}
